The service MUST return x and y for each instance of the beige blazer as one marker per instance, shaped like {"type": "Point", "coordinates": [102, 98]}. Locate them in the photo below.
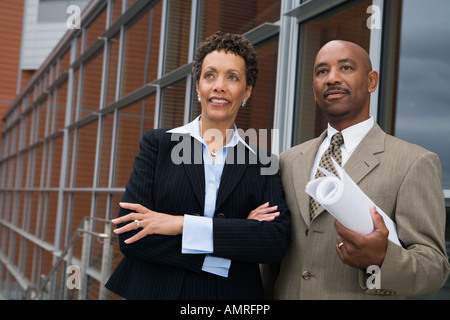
{"type": "Point", "coordinates": [404, 180]}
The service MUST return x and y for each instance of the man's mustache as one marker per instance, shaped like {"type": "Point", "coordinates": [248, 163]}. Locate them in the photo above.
{"type": "Point", "coordinates": [335, 89]}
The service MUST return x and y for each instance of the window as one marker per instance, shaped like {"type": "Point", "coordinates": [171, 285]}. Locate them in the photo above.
{"type": "Point", "coordinates": [56, 10]}
{"type": "Point", "coordinates": [91, 86]}
{"type": "Point", "coordinates": [85, 155]}
{"type": "Point", "coordinates": [172, 113]}
{"type": "Point", "coordinates": [141, 50]}
{"type": "Point", "coordinates": [344, 23]}
{"type": "Point", "coordinates": [134, 121]}
{"type": "Point", "coordinates": [231, 16]}
{"type": "Point", "coordinates": [178, 28]}
{"type": "Point", "coordinates": [422, 113]}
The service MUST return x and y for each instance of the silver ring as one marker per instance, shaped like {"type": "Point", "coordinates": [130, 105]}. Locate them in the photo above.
{"type": "Point", "coordinates": [340, 245]}
{"type": "Point", "coordinates": [137, 223]}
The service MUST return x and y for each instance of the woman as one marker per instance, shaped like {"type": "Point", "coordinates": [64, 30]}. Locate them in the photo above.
{"type": "Point", "coordinates": [196, 220]}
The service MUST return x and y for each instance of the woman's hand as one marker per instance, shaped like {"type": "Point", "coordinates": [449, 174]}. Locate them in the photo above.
{"type": "Point", "coordinates": [149, 221]}
{"type": "Point", "coordinates": [264, 213]}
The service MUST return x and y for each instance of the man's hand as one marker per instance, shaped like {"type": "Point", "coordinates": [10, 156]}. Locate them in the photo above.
{"type": "Point", "coordinates": [361, 251]}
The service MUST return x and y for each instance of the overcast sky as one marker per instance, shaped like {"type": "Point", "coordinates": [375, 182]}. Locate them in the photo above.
{"type": "Point", "coordinates": [423, 103]}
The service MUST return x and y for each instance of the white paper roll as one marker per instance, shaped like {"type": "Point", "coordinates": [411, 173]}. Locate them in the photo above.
{"type": "Point", "coordinates": [346, 202]}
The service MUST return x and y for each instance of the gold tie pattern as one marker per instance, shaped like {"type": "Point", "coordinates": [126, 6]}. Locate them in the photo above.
{"type": "Point", "coordinates": [334, 150]}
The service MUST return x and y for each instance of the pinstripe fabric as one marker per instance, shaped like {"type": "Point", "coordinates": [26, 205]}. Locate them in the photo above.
{"type": "Point", "coordinates": [155, 268]}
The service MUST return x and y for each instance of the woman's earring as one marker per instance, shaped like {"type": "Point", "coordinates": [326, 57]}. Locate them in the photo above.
{"type": "Point", "coordinates": [244, 103]}
{"type": "Point", "coordinates": [198, 98]}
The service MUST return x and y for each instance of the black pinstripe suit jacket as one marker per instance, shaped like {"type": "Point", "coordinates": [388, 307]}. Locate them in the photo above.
{"type": "Point", "coordinates": [155, 268]}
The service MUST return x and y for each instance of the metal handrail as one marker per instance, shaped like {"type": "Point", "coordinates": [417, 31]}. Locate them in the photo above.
{"type": "Point", "coordinates": [34, 293]}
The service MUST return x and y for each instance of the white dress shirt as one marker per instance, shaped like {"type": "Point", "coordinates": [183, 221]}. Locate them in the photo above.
{"type": "Point", "coordinates": [197, 235]}
{"type": "Point", "coordinates": [352, 137]}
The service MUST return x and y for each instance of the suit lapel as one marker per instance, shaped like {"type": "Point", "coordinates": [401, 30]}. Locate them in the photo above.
{"type": "Point", "coordinates": [195, 171]}
{"type": "Point", "coordinates": [363, 159]}
{"type": "Point", "coordinates": [232, 173]}
{"type": "Point", "coordinates": [301, 171]}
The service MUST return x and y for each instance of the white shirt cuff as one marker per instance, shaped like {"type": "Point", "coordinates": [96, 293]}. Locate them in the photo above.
{"type": "Point", "coordinates": [216, 265]}
{"type": "Point", "coordinates": [197, 235]}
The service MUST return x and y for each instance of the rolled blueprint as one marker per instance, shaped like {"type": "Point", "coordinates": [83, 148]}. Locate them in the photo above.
{"type": "Point", "coordinates": [346, 202]}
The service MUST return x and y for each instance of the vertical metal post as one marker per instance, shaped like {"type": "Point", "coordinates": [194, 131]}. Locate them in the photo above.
{"type": "Point", "coordinates": [68, 263]}
{"type": "Point", "coordinates": [106, 261]}
{"type": "Point", "coordinates": [82, 294]}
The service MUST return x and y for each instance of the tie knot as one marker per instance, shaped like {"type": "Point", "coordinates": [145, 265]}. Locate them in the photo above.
{"type": "Point", "coordinates": [337, 139]}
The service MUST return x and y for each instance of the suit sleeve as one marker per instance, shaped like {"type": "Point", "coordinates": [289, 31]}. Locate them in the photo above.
{"type": "Point", "coordinates": [165, 250]}
{"type": "Point", "coordinates": [256, 241]}
{"type": "Point", "coordinates": [421, 265]}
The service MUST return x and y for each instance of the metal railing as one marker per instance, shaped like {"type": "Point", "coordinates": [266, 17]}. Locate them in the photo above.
{"type": "Point", "coordinates": [58, 284]}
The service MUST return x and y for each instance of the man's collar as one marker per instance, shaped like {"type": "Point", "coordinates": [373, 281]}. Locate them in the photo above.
{"type": "Point", "coordinates": [354, 134]}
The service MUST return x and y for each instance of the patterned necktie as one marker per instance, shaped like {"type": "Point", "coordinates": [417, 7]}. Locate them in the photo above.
{"type": "Point", "coordinates": [334, 150]}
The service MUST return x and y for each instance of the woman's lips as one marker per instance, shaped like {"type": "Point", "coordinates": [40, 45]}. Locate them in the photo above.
{"type": "Point", "coordinates": [219, 101]}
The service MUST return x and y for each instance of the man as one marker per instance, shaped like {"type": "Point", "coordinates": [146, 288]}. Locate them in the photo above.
{"type": "Point", "coordinates": [328, 261]}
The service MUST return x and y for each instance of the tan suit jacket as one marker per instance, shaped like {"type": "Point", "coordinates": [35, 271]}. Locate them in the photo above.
{"type": "Point", "coordinates": [404, 180]}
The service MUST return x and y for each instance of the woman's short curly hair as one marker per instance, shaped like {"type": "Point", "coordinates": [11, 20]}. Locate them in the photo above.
{"type": "Point", "coordinates": [228, 42]}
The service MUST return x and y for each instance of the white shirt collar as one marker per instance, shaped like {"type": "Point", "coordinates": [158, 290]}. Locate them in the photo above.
{"type": "Point", "coordinates": [193, 129]}
{"type": "Point", "coordinates": [353, 135]}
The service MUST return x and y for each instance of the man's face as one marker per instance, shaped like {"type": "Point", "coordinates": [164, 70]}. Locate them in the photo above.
{"type": "Point", "coordinates": [343, 82]}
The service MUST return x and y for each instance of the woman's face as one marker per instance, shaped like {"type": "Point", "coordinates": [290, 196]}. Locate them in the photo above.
{"type": "Point", "coordinates": [222, 86]}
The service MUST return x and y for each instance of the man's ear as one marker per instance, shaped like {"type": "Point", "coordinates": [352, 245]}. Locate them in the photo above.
{"type": "Point", "coordinates": [373, 81]}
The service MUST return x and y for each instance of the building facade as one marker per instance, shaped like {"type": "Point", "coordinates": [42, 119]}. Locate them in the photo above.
{"type": "Point", "coordinates": [70, 135]}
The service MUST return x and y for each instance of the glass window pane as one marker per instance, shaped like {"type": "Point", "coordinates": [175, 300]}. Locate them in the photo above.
{"type": "Point", "coordinates": [91, 85]}
{"type": "Point", "coordinates": [111, 80]}
{"type": "Point", "coordinates": [153, 49]}
{"type": "Point", "coordinates": [81, 207]}
{"type": "Point", "coordinates": [37, 155]}
{"type": "Point", "coordinates": [85, 155]}
{"type": "Point", "coordinates": [96, 28]}
{"type": "Point", "coordinates": [50, 225]}
{"type": "Point", "coordinates": [42, 120]}
{"type": "Point", "coordinates": [422, 111]}
{"type": "Point", "coordinates": [33, 197]}
{"type": "Point", "coordinates": [76, 90]}
{"type": "Point", "coordinates": [178, 28]}
{"type": "Point", "coordinates": [60, 107]}
{"type": "Point", "coordinates": [56, 162]}
{"type": "Point", "coordinates": [64, 62]}
{"type": "Point", "coordinates": [134, 120]}
{"type": "Point", "coordinates": [348, 24]}
{"type": "Point", "coordinates": [116, 10]}
{"type": "Point", "coordinates": [234, 17]}
{"type": "Point", "coordinates": [105, 154]}
{"type": "Point", "coordinates": [142, 50]}
{"type": "Point", "coordinates": [173, 101]}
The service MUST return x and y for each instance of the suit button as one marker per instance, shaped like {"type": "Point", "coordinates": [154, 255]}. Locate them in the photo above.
{"type": "Point", "coordinates": [306, 275]}
{"type": "Point", "coordinates": [220, 215]}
